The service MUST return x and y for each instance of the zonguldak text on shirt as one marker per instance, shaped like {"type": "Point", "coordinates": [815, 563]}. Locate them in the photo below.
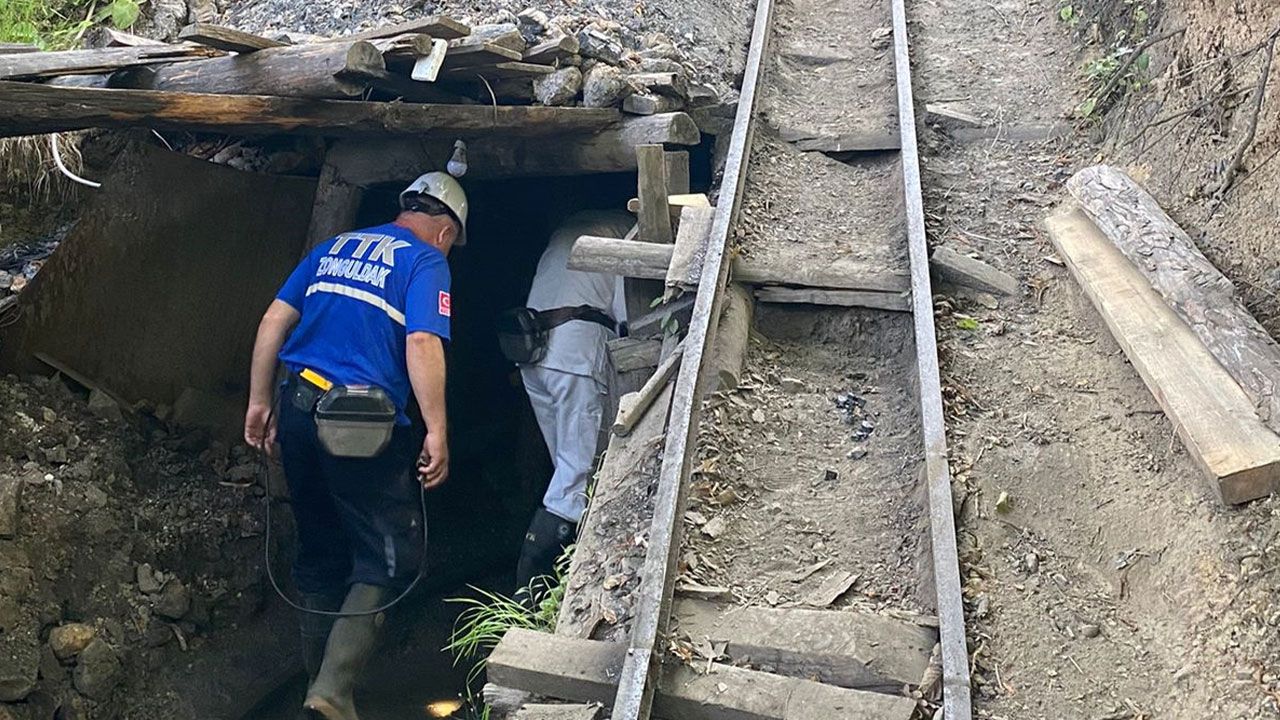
{"type": "Point", "coordinates": [369, 263]}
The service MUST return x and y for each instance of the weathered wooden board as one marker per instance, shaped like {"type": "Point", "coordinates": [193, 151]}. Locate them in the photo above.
{"type": "Point", "coordinates": [1211, 413]}
{"type": "Point", "coordinates": [552, 52]}
{"type": "Point", "coordinates": [690, 248]}
{"type": "Point", "coordinates": [225, 38]}
{"type": "Point", "coordinates": [435, 26]}
{"type": "Point", "coordinates": [633, 353]}
{"type": "Point", "coordinates": [895, 301]}
{"type": "Point", "coordinates": [559, 712]}
{"type": "Point", "coordinates": [633, 406]}
{"type": "Point", "coordinates": [733, 334]}
{"type": "Point", "coordinates": [631, 258]}
{"type": "Point", "coordinates": [587, 671]}
{"type": "Point", "coordinates": [951, 266]}
{"type": "Point", "coordinates": [32, 66]}
{"type": "Point", "coordinates": [1196, 290]}
{"type": "Point", "coordinates": [30, 109]}
{"type": "Point", "coordinates": [850, 649]}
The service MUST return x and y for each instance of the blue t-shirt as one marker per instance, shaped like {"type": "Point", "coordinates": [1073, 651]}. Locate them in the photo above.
{"type": "Point", "coordinates": [360, 294]}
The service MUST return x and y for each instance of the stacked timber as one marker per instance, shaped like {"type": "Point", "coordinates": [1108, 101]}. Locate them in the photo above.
{"type": "Point", "coordinates": [1210, 365]}
{"type": "Point", "coordinates": [534, 60]}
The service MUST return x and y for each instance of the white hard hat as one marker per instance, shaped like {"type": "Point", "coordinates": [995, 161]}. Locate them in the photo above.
{"type": "Point", "coordinates": [442, 187]}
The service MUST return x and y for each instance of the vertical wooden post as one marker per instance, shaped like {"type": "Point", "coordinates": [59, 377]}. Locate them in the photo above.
{"type": "Point", "coordinates": [336, 205]}
{"type": "Point", "coordinates": [677, 171]}
{"type": "Point", "coordinates": [651, 174]}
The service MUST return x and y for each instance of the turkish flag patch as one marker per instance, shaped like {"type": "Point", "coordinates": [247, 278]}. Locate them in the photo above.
{"type": "Point", "coordinates": [445, 304]}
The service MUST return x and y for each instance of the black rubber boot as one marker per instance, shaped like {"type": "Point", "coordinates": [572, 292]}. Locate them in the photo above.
{"type": "Point", "coordinates": [544, 543]}
{"type": "Point", "coordinates": [351, 643]}
{"type": "Point", "coordinates": [315, 629]}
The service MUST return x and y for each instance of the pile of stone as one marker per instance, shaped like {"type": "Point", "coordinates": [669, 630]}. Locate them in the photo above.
{"type": "Point", "coordinates": [601, 63]}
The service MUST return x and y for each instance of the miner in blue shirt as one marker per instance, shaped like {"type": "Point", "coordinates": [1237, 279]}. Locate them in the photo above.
{"type": "Point", "coordinates": [365, 308]}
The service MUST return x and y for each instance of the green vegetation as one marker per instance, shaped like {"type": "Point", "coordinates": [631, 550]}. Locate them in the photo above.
{"type": "Point", "coordinates": [60, 24]}
{"type": "Point", "coordinates": [489, 616]}
{"type": "Point", "coordinates": [1122, 29]}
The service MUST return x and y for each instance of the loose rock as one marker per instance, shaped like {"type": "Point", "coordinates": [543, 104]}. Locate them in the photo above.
{"type": "Point", "coordinates": [1090, 630]}
{"type": "Point", "coordinates": [792, 385]}
{"type": "Point", "coordinates": [147, 581]}
{"type": "Point", "coordinates": [533, 24]}
{"type": "Point", "coordinates": [596, 43]}
{"type": "Point", "coordinates": [604, 86]}
{"type": "Point", "coordinates": [559, 88]}
{"type": "Point", "coordinates": [174, 600]}
{"type": "Point", "coordinates": [71, 639]}
{"type": "Point", "coordinates": [97, 671]}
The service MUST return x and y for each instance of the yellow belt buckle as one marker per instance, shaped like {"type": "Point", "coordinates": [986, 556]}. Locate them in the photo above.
{"type": "Point", "coordinates": [316, 379]}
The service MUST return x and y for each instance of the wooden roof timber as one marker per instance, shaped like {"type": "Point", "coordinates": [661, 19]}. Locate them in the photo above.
{"type": "Point", "coordinates": [31, 109]}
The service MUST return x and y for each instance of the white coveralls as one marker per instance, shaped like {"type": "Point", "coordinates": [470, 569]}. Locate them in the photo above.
{"type": "Point", "coordinates": [570, 388]}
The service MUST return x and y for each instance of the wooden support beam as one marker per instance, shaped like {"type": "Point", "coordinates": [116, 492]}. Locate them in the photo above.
{"type": "Point", "coordinates": [878, 300]}
{"type": "Point", "coordinates": [336, 206]}
{"type": "Point", "coordinates": [319, 70]}
{"type": "Point", "coordinates": [30, 109]}
{"type": "Point", "coordinates": [733, 335]}
{"type": "Point", "coordinates": [654, 215]}
{"type": "Point", "coordinates": [587, 671]}
{"type": "Point", "coordinates": [1212, 415]}
{"type": "Point", "coordinates": [33, 66]}
{"type": "Point", "coordinates": [436, 26]}
{"type": "Point", "coordinates": [633, 406]}
{"type": "Point", "coordinates": [685, 266]}
{"type": "Point", "coordinates": [631, 258]}
{"type": "Point", "coordinates": [950, 266]}
{"type": "Point", "coordinates": [675, 202]}
{"type": "Point", "coordinates": [225, 38]}
{"type": "Point", "coordinates": [513, 70]}
{"type": "Point", "coordinates": [678, 178]}
{"type": "Point", "coordinates": [1196, 290]}
{"type": "Point", "coordinates": [852, 649]}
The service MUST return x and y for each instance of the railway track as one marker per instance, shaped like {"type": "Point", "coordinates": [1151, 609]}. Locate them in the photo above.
{"type": "Point", "coordinates": [887, 127]}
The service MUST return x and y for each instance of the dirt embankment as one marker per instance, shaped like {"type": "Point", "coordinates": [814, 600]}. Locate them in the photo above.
{"type": "Point", "coordinates": [1182, 136]}
{"type": "Point", "coordinates": [124, 548]}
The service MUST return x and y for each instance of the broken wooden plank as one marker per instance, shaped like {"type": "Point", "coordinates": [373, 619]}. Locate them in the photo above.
{"type": "Point", "coordinates": [948, 265]}
{"type": "Point", "coordinates": [685, 266]}
{"type": "Point", "coordinates": [498, 71]}
{"type": "Point", "coordinates": [31, 109]}
{"type": "Point", "coordinates": [1196, 290]}
{"type": "Point", "coordinates": [633, 406]}
{"type": "Point", "coordinates": [427, 68]}
{"type": "Point", "coordinates": [948, 114]}
{"type": "Point", "coordinates": [849, 142]}
{"type": "Point", "coordinates": [632, 353]}
{"type": "Point", "coordinates": [437, 26]}
{"type": "Point", "coordinates": [592, 711]}
{"type": "Point", "coordinates": [654, 214]}
{"type": "Point", "coordinates": [225, 38]}
{"type": "Point", "coordinates": [468, 53]}
{"type": "Point", "coordinates": [552, 52]}
{"type": "Point", "coordinates": [724, 367]}
{"type": "Point", "coordinates": [33, 66]}
{"type": "Point", "coordinates": [116, 38]}
{"type": "Point", "coordinates": [587, 671]}
{"type": "Point", "coordinates": [879, 300]}
{"type": "Point", "coordinates": [320, 70]}
{"type": "Point", "coordinates": [631, 258]}
{"type": "Point", "coordinates": [1210, 412]}
{"type": "Point", "coordinates": [851, 649]}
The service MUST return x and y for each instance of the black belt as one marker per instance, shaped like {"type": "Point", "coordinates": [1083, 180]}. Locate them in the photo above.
{"type": "Point", "coordinates": [556, 317]}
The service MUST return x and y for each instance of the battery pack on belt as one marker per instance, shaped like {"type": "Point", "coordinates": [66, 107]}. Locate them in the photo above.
{"type": "Point", "coordinates": [354, 421]}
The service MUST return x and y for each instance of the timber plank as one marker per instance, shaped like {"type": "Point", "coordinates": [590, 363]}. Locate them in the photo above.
{"type": "Point", "coordinates": [953, 267]}
{"type": "Point", "coordinates": [587, 671]}
{"type": "Point", "coordinates": [633, 406]}
{"type": "Point", "coordinates": [31, 109]}
{"type": "Point", "coordinates": [1210, 412]}
{"type": "Point", "coordinates": [225, 38]}
{"type": "Point", "coordinates": [36, 65]}
{"type": "Point", "coordinates": [512, 70]}
{"type": "Point", "coordinates": [631, 353]}
{"type": "Point", "coordinates": [898, 302]}
{"type": "Point", "coordinates": [632, 258]}
{"type": "Point", "coordinates": [1196, 290]}
{"type": "Point", "coordinates": [16, 48]}
{"type": "Point", "coordinates": [654, 213]}
{"type": "Point", "coordinates": [559, 712]}
{"type": "Point", "coordinates": [437, 26]}
{"type": "Point", "coordinates": [469, 52]}
{"type": "Point", "coordinates": [685, 266]}
{"type": "Point", "coordinates": [553, 52]}
{"type": "Point", "coordinates": [865, 651]}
